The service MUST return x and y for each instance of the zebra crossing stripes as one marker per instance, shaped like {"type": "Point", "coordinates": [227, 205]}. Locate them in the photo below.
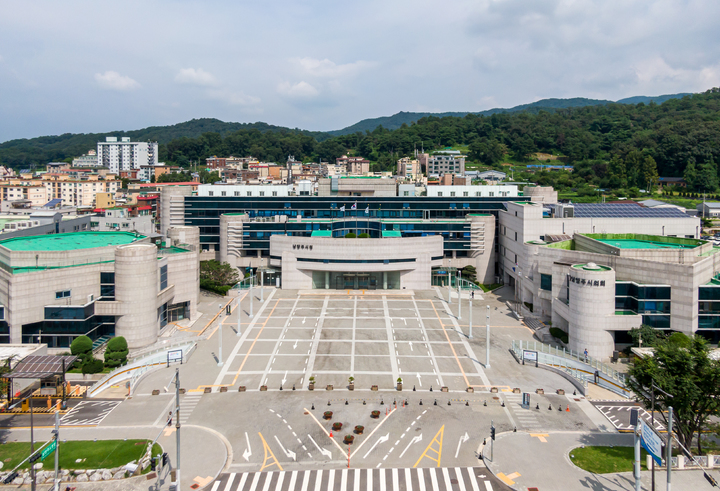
{"type": "Point", "coordinates": [420, 479]}
{"type": "Point", "coordinates": [88, 413]}
{"type": "Point", "coordinates": [526, 418]}
{"type": "Point", "coordinates": [188, 404]}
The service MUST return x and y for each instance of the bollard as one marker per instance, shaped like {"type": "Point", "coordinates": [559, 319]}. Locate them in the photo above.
{"type": "Point", "coordinates": [435, 403]}
{"type": "Point", "coordinates": [346, 402]}
{"type": "Point", "coordinates": [363, 402]}
{"type": "Point", "coordinates": [467, 403]}
{"type": "Point", "coordinates": [537, 405]}
{"type": "Point", "coordinates": [515, 429]}
{"type": "Point", "coordinates": [293, 386]}
{"type": "Point", "coordinates": [328, 402]}
{"type": "Point", "coordinates": [382, 403]}
{"type": "Point", "coordinates": [484, 403]}
{"type": "Point", "coordinates": [281, 387]}
{"type": "Point", "coordinates": [431, 388]}
{"type": "Point", "coordinates": [413, 388]}
{"type": "Point", "coordinates": [559, 408]}
{"type": "Point", "coordinates": [448, 402]}
{"type": "Point", "coordinates": [313, 406]}
{"type": "Point", "coordinates": [550, 407]}
{"type": "Point", "coordinates": [421, 402]}
{"type": "Point", "coordinates": [502, 404]}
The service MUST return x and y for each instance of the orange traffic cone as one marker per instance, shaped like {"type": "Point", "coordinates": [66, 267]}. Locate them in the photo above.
{"type": "Point", "coordinates": [331, 434]}
{"type": "Point", "coordinates": [567, 409]}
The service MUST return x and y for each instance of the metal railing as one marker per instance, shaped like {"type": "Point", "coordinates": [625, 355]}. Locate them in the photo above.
{"type": "Point", "coordinates": [244, 284]}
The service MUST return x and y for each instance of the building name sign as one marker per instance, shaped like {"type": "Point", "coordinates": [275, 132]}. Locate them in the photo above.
{"type": "Point", "coordinates": [584, 282]}
{"type": "Point", "coordinates": [302, 246]}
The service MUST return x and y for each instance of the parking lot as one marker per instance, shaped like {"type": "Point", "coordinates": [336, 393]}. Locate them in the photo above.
{"type": "Point", "coordinates": [374, 338]}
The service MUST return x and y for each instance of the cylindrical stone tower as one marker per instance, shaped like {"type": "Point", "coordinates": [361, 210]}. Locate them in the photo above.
{"type": "Point", "coordinates": [136, 288]}
{"type": "Point", "coordinates": [186, 235]}
{"type": "Point", "coordinates": [231, 237]}
{"type": "Point", "coordinates": [592, 301]}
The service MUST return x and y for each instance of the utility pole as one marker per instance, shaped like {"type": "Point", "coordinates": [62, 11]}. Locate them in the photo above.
{"type": "Point", "coordinates": [251, 302]}
{"type": "Point", "coordinates": [262, 280]}
{"type": "Point", "coordinates": [32, 444]}
{"type": "Point", "coordinates": [449, 288]}
{"type": "Point", "coordinates": [177, 427]}
{"type": "Point", "coordinates": [487, 338]}
{"type": "Point", "coordinates": [636, 467]}
{"type": "Point", "coordinates": [239, 312]}
{"type": "Point", "coordinates": [57, 449]}
{"type": "Point", "coordinates": [668, 447]}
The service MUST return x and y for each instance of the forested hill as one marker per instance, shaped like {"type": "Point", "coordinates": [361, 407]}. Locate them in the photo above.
{"type": "Point", "coordinates": [397, 120]}
{"type": "Point", "coordinates": [44, 149]}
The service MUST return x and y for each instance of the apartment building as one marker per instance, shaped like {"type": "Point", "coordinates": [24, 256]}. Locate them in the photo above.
{"type": "Point", "coordinates": [36, 195]}
{"type": "Point", "coordinates": [356, 166]}
{"type": "Point", "coordinates": [446, 162]}
{"type": "Point", "coordinates": [125, 155]}
{"type": "Point", "coordinates": [78, 193]}
{"type": "Point", "coordinates": [409, 169]}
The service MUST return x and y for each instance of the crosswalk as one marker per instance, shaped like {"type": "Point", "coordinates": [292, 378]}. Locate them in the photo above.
{"type": "Point", "coordinates": [421, 479]}
{"type": "Point", "coordinates": [526, 418]}
{"type": "Point", "coordinates": [188, 404]}
{"type": "Point", "coordinates": [88, 413]}
{"type": "Point", "coordinates": [619, 416]}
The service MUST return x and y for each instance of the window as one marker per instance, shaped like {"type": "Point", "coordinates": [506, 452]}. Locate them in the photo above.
{"type": "Point", "coordinates": [63, 294]}
{"type": "Point", "coordinates": [515, 236]}
{"type": "Point", "coordinates": [274, 193]}
{"type": "Point", "coordinates": [163, 277]}
{"type": "Point", "coordinates": [211, 193]}
{"type": "Point", "coordinates": [440, 194]}
{"type": "Point", "coordinates": [465, 193]}
{"type": "Point", "coordinates": [406, 193]}
{"type": "Point", "coordinates": [478, 193]}
{"type": "Point", "coordinates": [223, 193]}
{"type": "Point", "coordinates": [491, 194]}
{"type": "Point", "coordinates": [545, 282]}
{"type": "Point", "coordinates": [237, 193]}
{"type": "Point", "coordinates": [452, 194]}
{"type": "Point", "coordinates": [249, 193]}
{"type": "Point", "coordinates": [262, 193]}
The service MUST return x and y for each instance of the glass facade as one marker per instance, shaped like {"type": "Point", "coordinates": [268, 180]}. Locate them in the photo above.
{"type": "Point", "coordinates": [163, 277]}
{"type": "Point", "coordinates": [429, 213]}
{"type": "Point", "coordinates": [709, 307]}
{"type": "Point", "coordinates": [651, 301]}
{"type": "Point", "coordinates": [62, 324]}
{"type": "Point", "coordinates": [107, 286]}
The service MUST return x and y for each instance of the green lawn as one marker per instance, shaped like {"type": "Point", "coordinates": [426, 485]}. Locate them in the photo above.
{"type": "Point", "coordinates": [602, 460]}
{"type": "Point", "coordinates": [492, 286]}
{"type": "Point", "coordinates": [100, 454]}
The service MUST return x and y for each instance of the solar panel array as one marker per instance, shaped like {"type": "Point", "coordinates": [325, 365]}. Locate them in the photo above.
{"type": "Point", "coordinates": [41, 366]}
{"type": "Point", "coordinates": [620, 210]}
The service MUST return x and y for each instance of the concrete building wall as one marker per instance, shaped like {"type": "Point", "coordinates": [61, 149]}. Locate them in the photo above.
{"type": "Point", "coordinates": [231, 238]}
{"type": "Point", "coordinates": [172, 206]}
{"type": "Point", "coordinates": [231, 190]}
{"type": "Point", "coordinates": [592, 300]}
{"type": "Point", "coordinates": [473, 191]}
{"type": "Point", "coordinates": [136, 285]}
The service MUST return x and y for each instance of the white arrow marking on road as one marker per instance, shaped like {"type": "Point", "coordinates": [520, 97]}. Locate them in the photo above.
{"type": "Point", "coordinates": [248, 452]}
{"type": "Point", "coordinates": [411, 346]}
{"type": "Point", "coordinates": [325, 452]}
{"type": "Point", "coordinates": [419, 380]}
{"type": "Point", "coordinates": [414, 440]}
{"type": "Point", "coordinates": [303, 320]}
{"type": "Point", "coordinates": [404, 321]}
{"type": "Point", "coordinates": [295, 345]}
{"type": "Point", "coordinates": [284, 378]}
{"type": "Point", "coordinates": [380, 440]}
{"type": "Point", "coordinates": [463, 439]}
{"type": "Point", "coordinates": [289, 453]}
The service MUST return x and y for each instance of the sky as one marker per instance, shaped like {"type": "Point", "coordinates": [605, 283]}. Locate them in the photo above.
{"type": "Point", "coordinates": [98, 66]}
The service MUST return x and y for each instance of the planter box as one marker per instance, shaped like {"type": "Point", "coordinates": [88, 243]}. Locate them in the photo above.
{"type": "Point", "coordinates": [263, 388]}
{"type": "Point", "coordinates": [311, 386]}
{"type": "Point", "coordinates": [351, 387]}
{"type": "Point", "coordinates": [561, 392]}
{"type": "Point", "coordinates": [241, 388]}
{"type": "Point", "coordinates": [155, 392]}
{"type": "Point", "coordinates": [374, 387]}
{"type": "Point", "coordinates": [539, 391]}
{"type": "Point", "coordinates": [207, 390]}
{"type": "Point", "coordinates": [493, 390]}
{"type": "Point", "coordinates": [471, 390]}
{"type": "Point", "coordinates": [223, 388]}
{"type": "Point", "coordinates": [182, 391]}
{"type": "Point", "coordinates": [444, 389]}
{"type": "Point", "coordinates": [517, 390]}
{"type": "Point", "coordinates": [399, 386]}
{"type": "Point", "coordinates": [329, 387]}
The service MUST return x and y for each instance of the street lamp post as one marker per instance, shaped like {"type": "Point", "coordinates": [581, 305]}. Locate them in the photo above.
{"type": "Point", "coordinates": [239, 312]}
{"type": "Point", "coordinates": [262, 280]}
{"type": "Point", "coordinates": [470, 312]}
{"type": "Point", "coordinates": [251, 302]}
{"type": "Point", "coordinates": [487, 338]}
{"type": "Point", "coordinates": [459, 277]}
{"type": "Point", "coordinates": [652, 418]}
{"type": "Point", "coordinates": [220, 360]}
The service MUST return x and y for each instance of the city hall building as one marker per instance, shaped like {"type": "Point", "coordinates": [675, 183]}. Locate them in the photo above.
{"type": "Point", "coordinates": [56, 287]}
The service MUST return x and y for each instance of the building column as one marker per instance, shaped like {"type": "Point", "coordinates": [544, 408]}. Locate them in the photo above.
{"type": "Point", "coordinates": [384, 280]}
{"type": "Point", "coordinates": [327, 280]}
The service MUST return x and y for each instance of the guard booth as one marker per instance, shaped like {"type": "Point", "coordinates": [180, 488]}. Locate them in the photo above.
{"type": "Point", "coordinates": [48, 369]}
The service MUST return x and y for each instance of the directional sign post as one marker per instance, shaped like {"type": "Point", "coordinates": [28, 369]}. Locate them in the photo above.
{"type": "Point", "coordinates": [650, 441]}
{"type": "Point", "coordinates": [48, 450]}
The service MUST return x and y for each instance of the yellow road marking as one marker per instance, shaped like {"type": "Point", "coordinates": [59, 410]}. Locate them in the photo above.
{"type": "Point", "coordinates": [467, 382]}
{"type": "Point", "coordinates": [254, 341]}
{"type": "Point", "coordinates": [342, 451]}
{"type": "Point", "coordinates": [540, 436]}
{"type": "Point", "coordinates": [169, 430]}
{"type": "Point", "coordinates": [267, 449]}
{"type": "Point", "coordinates": [508, 479]}
{"type": "Point", "coordinates": [430, 449]}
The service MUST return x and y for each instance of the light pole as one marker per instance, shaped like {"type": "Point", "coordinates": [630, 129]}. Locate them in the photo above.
{"type": "Point", "coordinates": [470, 312]}
{"type": "Point", "coordinates": [251, 302]}
{"type": "Point", "coordinates": [652, 418]}
{"type": "Point", "coordinates": [262, 280]}
{"type": "Point", "coordinates": [459, 277]}
{"type": "Point", "coordinates": [177, 426]}
{"type": "Point", "coordinates": [220, 360]}
{"type": "Point", "coordinates": [449, 287]}
{"type": "Point", "coordinates": [487, 339]}
{"type": "Point", "coordinates": [239, 312]}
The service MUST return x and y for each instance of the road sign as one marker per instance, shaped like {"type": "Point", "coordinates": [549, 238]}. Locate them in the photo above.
{"type": "Point", "coordinates": [175, 355]}
{"type": "Point", "coordinates": [530, 356]}
{"type": "Point", "coordinates": [651, 441]}
{"type": "Point", "coordinates": [48, 450]}
{"type": "Point", "coordinates": [526, 400]}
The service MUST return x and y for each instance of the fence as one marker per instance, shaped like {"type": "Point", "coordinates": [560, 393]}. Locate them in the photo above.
{"type": "Point", "coordinates": [576, 364]}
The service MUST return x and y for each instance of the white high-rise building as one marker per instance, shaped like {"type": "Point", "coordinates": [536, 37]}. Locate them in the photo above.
{"type": "Point", "coordinates": [125, 155]}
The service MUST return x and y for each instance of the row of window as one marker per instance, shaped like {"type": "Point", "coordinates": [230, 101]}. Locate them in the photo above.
{"type": "Point", "coordinates": [248, 193]}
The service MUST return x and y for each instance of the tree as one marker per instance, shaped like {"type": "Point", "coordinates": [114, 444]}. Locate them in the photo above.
{"type": "Point", "coordinates": [469, 273]}
{"type": "Point", "coordinates": [650, 174]}
{"type": "Point", "coordinates": [690, 174]}
{"type": "Point", "coordinates": [116, 352]}
{"type": "Point", "coordinates": [685, 370]}
{"type": "Point", "coordinates": [707, 176]}
{"type": "Point", "coordinates": [645, 336]}
{"type": "Point", "coordinates": [81, 347]}
{"type": "Point", "coordinates": [217, 272]}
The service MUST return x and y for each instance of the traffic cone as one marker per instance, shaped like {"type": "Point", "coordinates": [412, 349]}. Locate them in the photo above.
{"type": "Point", "coordinates": [386, 413]}
{"type": "Point", "coordinates": [313, 406]}
{"type": "Point", "coordinates": [331, 434]}
{"type": "Point", "coordinates": [567, 409]}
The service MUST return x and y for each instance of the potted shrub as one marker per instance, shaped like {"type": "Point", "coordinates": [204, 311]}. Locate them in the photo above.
{"type": "Point", "coordinates": [399, 383]}
{"type": "Point", "coordinates": [337, 426]}
{"type": "Point", "coordinates": [375, 414]}
{"type": "Point", "coordinates": [348, 439]}
{"type": "Point", "coordinates": [311, 385]}
{"type": "Point", "coordinates": [351, 383]}
{"type": "Point", "coordinates": [359, 429]}
{"type": "Point", "coordinates": [327, 414]}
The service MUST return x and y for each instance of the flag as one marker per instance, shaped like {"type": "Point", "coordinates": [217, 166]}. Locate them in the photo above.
{"type": "Point", "coordinates": [354, 206]}
{"type": "Point", "coordinates": [367, 210]}
{"type": "Point", "coordinates": [342, 208]}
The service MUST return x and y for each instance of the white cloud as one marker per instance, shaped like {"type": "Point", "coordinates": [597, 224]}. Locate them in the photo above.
{"type": "Point", "coordinates": [233, 98]}
{"type": "Point", "coordinates": [301, 90]}
{"type": "Point", "coordinates": [114, 81]}
{"type": "Point", "coordinates": [192, 76]}
{"type": "Point", "coordinates": [328, 69]}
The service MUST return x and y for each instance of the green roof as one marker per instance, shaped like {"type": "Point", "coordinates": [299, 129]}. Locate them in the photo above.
{"type": "Point", "coordinates": [391, 233]}
{"type": "Point", "coordinates": [71, 241]}
{"type": "Point", "coordinates": [321, 233]}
